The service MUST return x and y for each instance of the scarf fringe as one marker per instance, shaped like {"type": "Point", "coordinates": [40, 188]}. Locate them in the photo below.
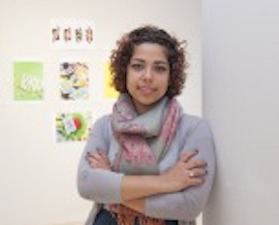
{"type": "Point", "coordinates": [126, 216]}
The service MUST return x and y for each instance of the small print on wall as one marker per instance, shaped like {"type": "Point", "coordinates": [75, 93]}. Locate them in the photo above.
{"type": "Point", "coordinates": [72, 126]}
{"type": "Point", "coordinates": [110, 91]}
{"type": "Point", "coordinates": [74, 80]}
{"type": "Point", "coordinates": [72, 34]}
{"type": "Point", "coordinates": [28, 77]}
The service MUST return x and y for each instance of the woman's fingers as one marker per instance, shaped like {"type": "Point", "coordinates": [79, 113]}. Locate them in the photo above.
{"type": "Point", "coordinates": [104, 157]}
{"type": "Point", "coordinates": [192, 164]}
{"type": "Point", "coordinates": [196, 176]}
{"type": "Point", "coordinates": [98, 160]}
{"type": "Point", "coordinates": [189, 160]}
{"type": "Point", "coordinates": [186, 156]}
{"type": "Point", "coordinates": [197, 172]}
{"type": "Point", "coordinates": [196, 181]}
{"type": "Point", "coordinates": [179, 177]}
{"type": "Point", "coordinates": [93, 163]}
{"type": "Point", "coordinates": [196, 169]}
{"type": "Point", "coordinates": [94, 155]}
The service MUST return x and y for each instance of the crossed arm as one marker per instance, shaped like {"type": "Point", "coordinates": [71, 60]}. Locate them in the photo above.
{"type": "Point", "coordinates": [134, 189]}
{"type": "Point", "coordinates": [185, 195]}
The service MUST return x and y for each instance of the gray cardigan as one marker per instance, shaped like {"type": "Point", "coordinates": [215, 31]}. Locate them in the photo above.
{"type": "Point", "coordinates": [102, 186]}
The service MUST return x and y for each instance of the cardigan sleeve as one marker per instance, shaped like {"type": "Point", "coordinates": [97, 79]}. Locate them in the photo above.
{"type": "Point", "coordinates": [98, 185]}
{"type": "Point", "coordinates": [187, 204]}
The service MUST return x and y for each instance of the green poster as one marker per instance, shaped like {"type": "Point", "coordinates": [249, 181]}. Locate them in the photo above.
{"type": "Point", "coordinates": [28, 78]}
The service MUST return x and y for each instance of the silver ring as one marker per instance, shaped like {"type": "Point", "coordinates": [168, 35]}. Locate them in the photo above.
{"type": "Point", "coordinates": [191, 174]}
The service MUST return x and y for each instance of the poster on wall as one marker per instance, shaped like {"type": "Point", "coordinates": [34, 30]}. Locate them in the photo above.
{"type": "Point", "coordinates": [72, 126]}
{"type": "Point", "coordinates": [109, 91]}
{"type": "Point", "coordinates": [28, 77]}
{"type": "Point", "coordinates": [72, 34]}
{"type": "Point", "coordinates": [74, 80]}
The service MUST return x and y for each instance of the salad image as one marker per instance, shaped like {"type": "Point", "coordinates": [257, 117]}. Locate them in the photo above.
{"type": "Point", "coordinates": [72, 126]}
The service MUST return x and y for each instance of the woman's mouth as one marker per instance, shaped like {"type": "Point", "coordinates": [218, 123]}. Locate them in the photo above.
{"type": "Point", "coordinates": [146, 89]}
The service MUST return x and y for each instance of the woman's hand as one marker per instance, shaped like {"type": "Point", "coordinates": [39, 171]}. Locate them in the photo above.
{"type": "Point", "coordinates": [185, 173]}
{"type": "Point", "coordinates": [98, 160]}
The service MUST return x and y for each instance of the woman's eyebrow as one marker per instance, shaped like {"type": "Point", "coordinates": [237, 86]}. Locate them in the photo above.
{"type": "Point", "coordinates": [156, 62]}
{"type": "Point", "coordinates": [137, 59]}
{"type": "Point", "coordinates": [162, 62]}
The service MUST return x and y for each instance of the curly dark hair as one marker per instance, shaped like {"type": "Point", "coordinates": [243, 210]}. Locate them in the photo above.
{"type": "Point", "coordinates": [120, 57]}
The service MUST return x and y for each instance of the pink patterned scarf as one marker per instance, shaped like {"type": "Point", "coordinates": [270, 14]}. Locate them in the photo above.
{"type": "Point", "coordinates": [143, 139]}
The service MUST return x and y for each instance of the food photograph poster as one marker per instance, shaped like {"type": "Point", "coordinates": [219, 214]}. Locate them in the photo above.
{"type": "Point", "coordinates": [72, 34]}
{"type": "Point", "coordinates": [74, 80]}
{"type": "Point", "coordinates": [28, 77]}
{"type": "Point", "coordinates": [73, 126]}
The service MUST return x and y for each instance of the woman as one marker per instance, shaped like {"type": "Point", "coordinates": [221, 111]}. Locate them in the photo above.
{"type": "Point", "coordinates": [147, 163]}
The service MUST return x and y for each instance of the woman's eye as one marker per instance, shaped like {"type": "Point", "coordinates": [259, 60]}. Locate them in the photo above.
{"type": "Point", "coordinates": [137, 66]}
{"type": "Point", "coordinates": [160, 69]}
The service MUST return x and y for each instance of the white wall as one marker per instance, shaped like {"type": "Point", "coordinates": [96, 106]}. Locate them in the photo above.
{"type": "Point", "coordinates": [241, 77]}
{"type": "Point", "coordinates": [38, 175]}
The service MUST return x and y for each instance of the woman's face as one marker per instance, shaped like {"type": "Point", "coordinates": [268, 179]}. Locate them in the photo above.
{"type": "Point", "coordinates": [147, 75]}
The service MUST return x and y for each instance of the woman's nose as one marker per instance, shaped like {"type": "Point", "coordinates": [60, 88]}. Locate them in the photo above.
{"type": "Point", "coordinates": [147, 75]}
